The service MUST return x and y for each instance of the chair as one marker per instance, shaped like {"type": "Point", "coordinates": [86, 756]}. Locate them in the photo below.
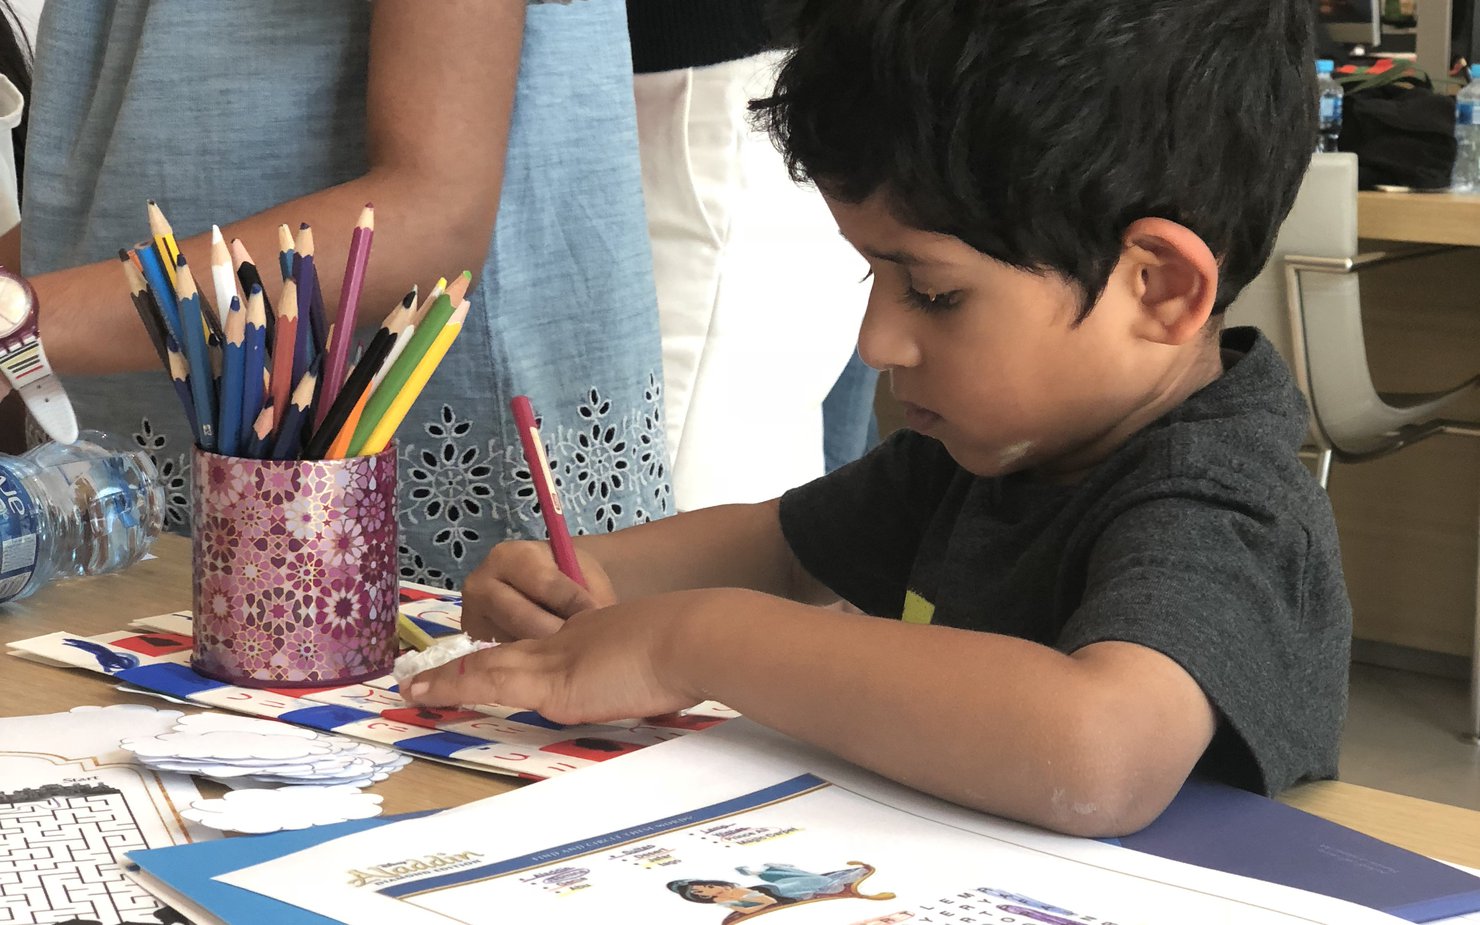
{"type": "Point", "coordinates": [1307, 301]}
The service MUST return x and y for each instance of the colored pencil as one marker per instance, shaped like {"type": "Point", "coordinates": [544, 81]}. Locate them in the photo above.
{"type": "Point", "coordinates": [457, 290]}
{"type": "Point", "coordinates": [202, 388]}
{"type": "Point", "coordinates": [144, 304]}
{"type": "Point", "coordinates": [254, 390]}
{"type": "Point", "coordinates": [162, 288]}
{"type": "Point", "coordinates": [233, 374]}
{"type": "Point", "coordinates": [164, 240]}
{"type": "Point", "coordinates": [285, 250]}
{"type": "Point", "coordinates": [284, 348]}
{"type": "Point", "coordinates": [358, 384]}
{"type": "Point", "coordinates": [180, 377]}
{"type": "Point", "coordinates": [400, 345]}
{"type": "Point", "coordinates": [349, 304]}
{"type": "Point", "coordinates": [290, 433]}
{"type": "Point", "coordinates": [431, 300]}
{"type": "Point", "coordinates": [340, 447]}
{"type": "Point", "coordinates": [306, 352]}
{"type": "Point", "coordinates": [544, 487]}
{"type": "Point", "coordinates": [395, 379]}
{"type": "Point", "coordinates": [412, 635]}
{"type": "Point", "coordinates": [317, 315]}
{"type": "Point", "coordinates": [384, 431]}
{"type": "Point", "coordinates": [223, 277]}
{"type": "Point", "coordinates": [261, 432]}
{"type": "Point", "coordinates": [248, 276]}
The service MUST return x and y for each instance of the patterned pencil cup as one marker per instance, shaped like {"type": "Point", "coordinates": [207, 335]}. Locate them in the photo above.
{"type": "Point", "coordinates": [295, 569]}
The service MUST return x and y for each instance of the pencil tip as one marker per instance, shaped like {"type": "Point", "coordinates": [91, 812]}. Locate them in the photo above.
{"type": "Point", "coordinates": [123, 254]}
{"type": "Point", "coordinates": [256, 290]}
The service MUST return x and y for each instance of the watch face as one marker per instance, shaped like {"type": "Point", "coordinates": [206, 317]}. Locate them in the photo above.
{"type": "Point", "coordinates": [16, 303]}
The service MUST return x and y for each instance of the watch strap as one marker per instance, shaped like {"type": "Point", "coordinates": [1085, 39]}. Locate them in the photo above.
{"type": "Point", "coordinates": [24, 363]}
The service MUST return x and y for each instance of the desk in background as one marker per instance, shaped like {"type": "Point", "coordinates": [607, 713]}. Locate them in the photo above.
{"type": "Point", "coordinates": [99, 605]}
{"type": "Point", "coordinates": [1420, 218]}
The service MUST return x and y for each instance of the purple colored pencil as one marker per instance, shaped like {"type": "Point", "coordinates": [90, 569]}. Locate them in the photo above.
{"type": "Point", "coordinates": [349, 303]}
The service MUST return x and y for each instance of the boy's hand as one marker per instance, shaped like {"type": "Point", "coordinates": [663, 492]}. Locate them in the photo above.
{"type": "Point", "coordinates": [519, 593]}
{"type": "Point", "coordinates": [617, 663]}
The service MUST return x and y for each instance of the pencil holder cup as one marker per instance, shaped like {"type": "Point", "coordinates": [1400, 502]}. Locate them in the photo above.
{"type": "Point", "coordinates": [295, 569]}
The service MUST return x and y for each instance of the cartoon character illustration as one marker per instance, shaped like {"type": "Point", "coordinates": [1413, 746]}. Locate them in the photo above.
{"type": "Point", "coordinates": [783, 885]}
{"type": "Point", "coordinates": [729, 894]}
{"type": "Point", "coordinates": [797, 884]}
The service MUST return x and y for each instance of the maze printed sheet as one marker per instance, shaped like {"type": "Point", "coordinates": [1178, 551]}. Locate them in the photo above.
{"type": "Point", "coordinates": [67, 814]}
{"type": "Point", "coordinates": [155, 656]}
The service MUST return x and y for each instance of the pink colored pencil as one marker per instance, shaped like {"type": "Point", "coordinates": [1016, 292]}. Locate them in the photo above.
{"type": "Point", "coordinates": [544, 487]}
{"type": "Point", "coordinates": [335, 366]}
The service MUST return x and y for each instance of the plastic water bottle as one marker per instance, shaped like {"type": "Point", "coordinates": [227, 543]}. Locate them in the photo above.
{"type": "Point", "coordinates": [85, 508]}
{"type": "Point", "coordinates": [1466, 178]}
{"type": "Point", "coordinates": [1330, 95]}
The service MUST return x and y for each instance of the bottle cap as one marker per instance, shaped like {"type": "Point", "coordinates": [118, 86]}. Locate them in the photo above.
{"type": "Point", "coordinates": [1325, 66]}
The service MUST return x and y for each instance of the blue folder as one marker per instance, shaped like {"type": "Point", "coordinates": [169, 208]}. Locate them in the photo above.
{"type": "Point", "coordinates": [188, 870]}
{"type": "Point", "coordinates": [1216, 826]}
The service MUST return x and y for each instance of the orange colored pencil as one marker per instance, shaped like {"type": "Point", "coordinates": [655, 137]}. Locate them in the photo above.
{"type": "Point", "coordinates": [284, 342]}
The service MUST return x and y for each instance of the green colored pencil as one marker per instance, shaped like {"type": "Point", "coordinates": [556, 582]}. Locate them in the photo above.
{"type": "Point", "coordinates": [385, 394]}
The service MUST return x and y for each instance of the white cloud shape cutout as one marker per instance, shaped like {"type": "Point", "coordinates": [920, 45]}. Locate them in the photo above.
{"type": "Point", "coordinates": [257, 812]}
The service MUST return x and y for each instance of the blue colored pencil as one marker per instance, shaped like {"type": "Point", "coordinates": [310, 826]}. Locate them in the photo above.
{"type": "Point", "coordinates": [253, 391]}
{"type": "Point", "coordinates": [290, 434]}
{"type": "Point", "coordinates": [164, 291]}
{"type": "Point", "coordinates": [202, 386]}
{"type": "Point", "coordinates": [256, 448]}
{"type": "Point", "coordinates": [180, 377]}
{"type": "Point", "coordinates": [233, 372]}
{"type": "Point", "coordinates": [285, 251]}
{"type": "Point", "coordinates": [303, 353]}
{"type": "Point", "coordinates": [318, 318]}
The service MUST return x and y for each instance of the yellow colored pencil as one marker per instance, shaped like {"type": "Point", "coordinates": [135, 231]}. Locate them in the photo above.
{"type": "Point", "coordinates": [401, 405]}
{"type": "Point", "coordinates": [164, 239]}
{"type": "Point", "coordinates": [414, 636]}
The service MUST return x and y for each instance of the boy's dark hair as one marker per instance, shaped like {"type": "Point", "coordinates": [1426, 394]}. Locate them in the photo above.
{"type": "Point", "coordinates": [1037, 131]}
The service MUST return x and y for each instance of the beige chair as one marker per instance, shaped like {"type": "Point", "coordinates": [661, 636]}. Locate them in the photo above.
{"type": "Point", "coordinates": [1307, 301]}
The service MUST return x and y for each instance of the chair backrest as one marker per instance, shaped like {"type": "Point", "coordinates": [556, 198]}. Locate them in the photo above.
{"type": "Point", "coordinates": [1346, 412]}
{"type": "Point", "coordinates": [1322, 223]}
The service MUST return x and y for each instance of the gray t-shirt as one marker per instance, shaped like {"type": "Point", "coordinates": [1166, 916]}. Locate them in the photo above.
{"type": "Point", "coordinates": [1202, 537]}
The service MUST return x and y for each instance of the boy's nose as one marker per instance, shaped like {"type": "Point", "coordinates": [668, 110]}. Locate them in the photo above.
{"type": "Point", "coordinates": [886, 339]}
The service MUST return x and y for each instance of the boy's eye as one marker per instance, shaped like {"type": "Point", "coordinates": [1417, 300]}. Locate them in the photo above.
{"type": "Point", "coordinates": [930, 301]}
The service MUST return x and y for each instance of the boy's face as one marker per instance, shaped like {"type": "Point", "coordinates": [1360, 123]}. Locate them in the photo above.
{"type": "Point", "coordinates": [986, 358]}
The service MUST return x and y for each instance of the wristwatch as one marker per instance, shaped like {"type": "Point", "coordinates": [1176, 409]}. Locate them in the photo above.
{"type": "Point", "coordinates": [24, 362]}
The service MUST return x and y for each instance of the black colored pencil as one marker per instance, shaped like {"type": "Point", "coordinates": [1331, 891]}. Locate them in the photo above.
{"type": "Point", "coordinates": [247, 275]}
{"type": "Point", "coordinates": [144, 304]}
{"type": "Point", "coordinates": [359, 379]}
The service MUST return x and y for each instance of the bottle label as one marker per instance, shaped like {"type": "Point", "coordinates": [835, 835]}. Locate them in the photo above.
{"type": "Point", "coordinates": [20, 528]}
{"type": "Point", "coordinates": [1465, 113]}
{"type": "Point", "coordinates": [1330, 109]}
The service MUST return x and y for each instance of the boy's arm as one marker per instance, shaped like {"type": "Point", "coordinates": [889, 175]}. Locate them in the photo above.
{"type": "Point", "coordinates": [729, 546]}
{"type": "Point", "coordinates": [1094, 743]}
{"type": "Point", "coordinates": [517, 592]}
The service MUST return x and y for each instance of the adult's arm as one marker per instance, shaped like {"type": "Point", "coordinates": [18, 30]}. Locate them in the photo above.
{"type": "Point", "coordinates": [439, 98]}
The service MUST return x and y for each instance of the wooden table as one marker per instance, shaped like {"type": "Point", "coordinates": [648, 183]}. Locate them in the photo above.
{"type": "Point", "coordinates": [100, 605]}
{"type": "Point", "coordinates": [1420, 218]}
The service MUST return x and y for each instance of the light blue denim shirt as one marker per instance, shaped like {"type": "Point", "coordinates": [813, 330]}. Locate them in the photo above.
{"type": "Point", "coordinates": [219, 110]}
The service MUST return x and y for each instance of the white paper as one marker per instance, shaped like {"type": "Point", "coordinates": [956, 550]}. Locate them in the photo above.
{"type": "Point", "coordinates": [72, 802]}
{"type": "Point", "coordinates": [841, 846]}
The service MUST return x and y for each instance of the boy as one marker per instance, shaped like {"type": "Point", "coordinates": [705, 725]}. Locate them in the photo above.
{"type": "Point", "coordinates": [1100, 563]}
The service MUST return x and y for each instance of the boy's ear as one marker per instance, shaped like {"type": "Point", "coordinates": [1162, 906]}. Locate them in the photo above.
{"type": "Point", "coordinates": [1173, 277]}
